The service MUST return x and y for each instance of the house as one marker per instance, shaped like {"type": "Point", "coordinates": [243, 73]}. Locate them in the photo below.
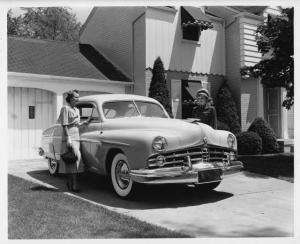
{"type": "Point", "coordinates": [199, 46]}
{"type": "Point", "coordinates": [40, 72]}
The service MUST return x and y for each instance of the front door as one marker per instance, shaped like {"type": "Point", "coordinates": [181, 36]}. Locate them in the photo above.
{"type": "Point", "coordinates": [188, 94]}
{"type": "Point", "coordinates": [273, 109]}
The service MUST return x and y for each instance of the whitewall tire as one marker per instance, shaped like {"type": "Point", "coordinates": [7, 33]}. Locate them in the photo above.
{"type": "Point", "coordinates": [52, 167]}
{"type": "Point", "coordinates": [120, 178]}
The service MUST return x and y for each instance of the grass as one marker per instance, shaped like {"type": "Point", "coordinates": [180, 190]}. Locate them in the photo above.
{"type": "Point", "coordinates": [37, 212]}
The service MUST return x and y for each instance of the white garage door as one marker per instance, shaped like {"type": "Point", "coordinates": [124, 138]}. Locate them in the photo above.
{"type": "Point", "coordinates": [30, 111]}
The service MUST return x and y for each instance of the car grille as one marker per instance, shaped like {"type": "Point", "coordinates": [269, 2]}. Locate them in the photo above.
{"type": "Point", "coordinates": [208, 154]}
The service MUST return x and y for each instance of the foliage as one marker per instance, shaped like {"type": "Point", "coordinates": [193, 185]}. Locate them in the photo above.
{"type": "Point", "coordinates": [275, 40]}
{"type": "Point", "coordinates": [222, 126]}
{"type": "Point", "coordinates": [158, 86]}
{"type": "Point", "coordinates": [249, 143]}
{"type": "Point", "coordinates": [226, 109]}
{"type": "Point", "coordinates": [263, 129]}
{"type": "Point", "coordinates": [54, 23]}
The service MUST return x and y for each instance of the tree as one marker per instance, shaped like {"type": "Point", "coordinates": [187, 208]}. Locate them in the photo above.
{"type": "Point", "coordinates": [275, 40]}
{"type": "Point", "coordinates": [55, 23]}
{"type": "Point", "coordinates": [227, 112]}
{"type": "Point", "coordinates": [158, 86]}
{"type": "Point", "coordinates": [13, 23]}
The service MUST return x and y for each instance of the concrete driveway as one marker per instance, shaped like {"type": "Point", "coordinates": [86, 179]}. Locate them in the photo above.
{"type": "Point", "coordinates": [244, 205]}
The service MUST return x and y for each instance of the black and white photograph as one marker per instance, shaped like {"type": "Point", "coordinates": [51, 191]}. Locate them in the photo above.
{"type": "Point", "coordinates": [135, 120]}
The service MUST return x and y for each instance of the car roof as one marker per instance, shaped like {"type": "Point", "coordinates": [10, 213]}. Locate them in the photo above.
{"type": "Point", "coordinates": [101, 98]}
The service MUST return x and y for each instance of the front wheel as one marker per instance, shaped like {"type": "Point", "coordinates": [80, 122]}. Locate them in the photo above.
{"type": "Point", "coordinates": [120, 177]}
{"type": "Point", "coordinates": [52, 167]}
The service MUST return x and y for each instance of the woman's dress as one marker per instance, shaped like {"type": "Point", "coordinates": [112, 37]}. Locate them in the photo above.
{"type": "Point", "coordinates": [71, 118]}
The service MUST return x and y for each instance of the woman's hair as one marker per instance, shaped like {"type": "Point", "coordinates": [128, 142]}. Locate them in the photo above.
{"type": "Point", "coordinates": [70, 94]}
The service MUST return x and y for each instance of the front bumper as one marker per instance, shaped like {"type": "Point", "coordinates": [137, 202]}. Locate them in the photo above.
{"type": "Point", "coordinates": [186, 175]}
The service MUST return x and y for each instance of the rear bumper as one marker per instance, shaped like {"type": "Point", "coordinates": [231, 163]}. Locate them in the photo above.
{"type": "Point", "coordinates": [197, 174]}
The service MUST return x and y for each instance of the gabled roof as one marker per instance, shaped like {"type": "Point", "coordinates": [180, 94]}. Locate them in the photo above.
{"type": "Point", "coordinates": [101, 63]}
{"type": "Point", "coordinates": [47, 57]}
{"type": "Point", "coordinates": [250, 9]}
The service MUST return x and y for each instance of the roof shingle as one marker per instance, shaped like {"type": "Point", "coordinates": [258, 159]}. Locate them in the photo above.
{"type": "Point", "coordinates": [59, 58]}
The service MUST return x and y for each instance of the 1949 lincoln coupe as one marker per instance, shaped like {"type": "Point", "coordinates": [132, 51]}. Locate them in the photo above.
{"type": "Point", "coordinates": [131, 139]}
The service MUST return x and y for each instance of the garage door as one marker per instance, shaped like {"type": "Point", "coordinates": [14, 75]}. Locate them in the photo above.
{"type": "Point", "coordinates": [30, 111]}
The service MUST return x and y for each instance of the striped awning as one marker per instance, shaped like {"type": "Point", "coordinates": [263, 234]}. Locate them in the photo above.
{"type": "Point", "coordinates": [193, 16]}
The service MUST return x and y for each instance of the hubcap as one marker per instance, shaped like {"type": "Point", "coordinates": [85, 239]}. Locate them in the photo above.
{"type": "Point", "coordinates": [122, 174]}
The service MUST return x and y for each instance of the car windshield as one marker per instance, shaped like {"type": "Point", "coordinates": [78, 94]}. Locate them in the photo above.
{"type": "Point", "coordinates": [121, 109]}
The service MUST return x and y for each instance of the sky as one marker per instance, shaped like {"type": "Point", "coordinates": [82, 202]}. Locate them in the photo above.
{"type": "Point", "coordinates": [81, 12]}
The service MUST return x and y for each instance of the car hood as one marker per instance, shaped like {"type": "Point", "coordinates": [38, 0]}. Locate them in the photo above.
{"type": "Point", "coordinates": [178, 133]}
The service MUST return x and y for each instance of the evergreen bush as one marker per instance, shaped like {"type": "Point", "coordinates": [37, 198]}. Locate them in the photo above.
{"type": "Point", "coordinates": [263, 129]}
{"type": "Point", "coordinates": [227, 110]}
{"type": "Point", "coordinates": [222, 126]}
{"type": "Point", "coordinates": [249, 143]}
{"type": "Point", "coordinates": [158, 86]}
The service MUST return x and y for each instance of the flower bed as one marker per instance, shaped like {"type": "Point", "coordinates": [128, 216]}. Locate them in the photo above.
{"type": "Point", "coordinates": [279, 165]}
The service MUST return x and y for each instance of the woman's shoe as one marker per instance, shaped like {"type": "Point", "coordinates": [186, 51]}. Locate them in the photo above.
{"type": "Point", "coordinates": [68, 186]}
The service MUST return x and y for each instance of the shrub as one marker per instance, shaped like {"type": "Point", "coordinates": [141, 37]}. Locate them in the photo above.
{"type": "Point", "coordinates": [263, 129]}
{"type": "Point", "coordinates": [158, 87]}
{"type": "Point", "coordinates": [222, 126]}
{"type": "Point", "coordinates": [249, 143]}
{"type": "Point", "coordinates": [226, 109]}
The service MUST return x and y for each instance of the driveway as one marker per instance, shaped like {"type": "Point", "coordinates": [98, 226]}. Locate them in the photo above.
{"type": "Point", "coordinates": [244, 205]}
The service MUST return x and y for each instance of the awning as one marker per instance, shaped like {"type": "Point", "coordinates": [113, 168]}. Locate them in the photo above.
{"type": "Point", "coordinates": [192, 16]}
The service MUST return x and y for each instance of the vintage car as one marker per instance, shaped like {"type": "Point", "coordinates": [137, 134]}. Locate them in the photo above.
{"type": "Point", "coordinates": [131, 139]}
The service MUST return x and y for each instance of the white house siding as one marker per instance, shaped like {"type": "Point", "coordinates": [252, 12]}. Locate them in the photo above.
{"type": "Point", "coordinates": [248, 46]}
{"type": "Point", "coordinates": [110, 31]}
{"type": "Point", "coordinates": [233, 58]}
{"type": "Point", "coordinates": [164, 39]}
{"type": "Point", "coordinates": [24, 133]}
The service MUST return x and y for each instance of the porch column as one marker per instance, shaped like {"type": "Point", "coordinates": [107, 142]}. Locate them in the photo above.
{"type": "Point", "coordinates": [284, 117]}
{"type": "Point", "coordinates": [176, 98]}
{"type": "Point", "coordinates": [260, 100]}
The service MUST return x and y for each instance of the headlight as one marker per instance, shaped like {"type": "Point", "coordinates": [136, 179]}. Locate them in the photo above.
{"type": "Point", "coordinates": [159, 144]}
{"type": "Point", "coordinates": [230, 140]}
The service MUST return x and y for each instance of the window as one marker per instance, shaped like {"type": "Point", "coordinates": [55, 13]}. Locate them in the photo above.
{"type": "Point", "coordinates": [88, 110]}
{"type": "Point", "coordinates": [119, 109]}
{"type": "Point", "coordinates": [148, 109]}
{"type": "Point", "coordinates": [191, 32]}
{"type": "Point", "coordinates": [31, 112]}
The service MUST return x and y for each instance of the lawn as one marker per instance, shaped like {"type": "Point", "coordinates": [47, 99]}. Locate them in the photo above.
{"type": "Point", "coordinates": [38, 212]}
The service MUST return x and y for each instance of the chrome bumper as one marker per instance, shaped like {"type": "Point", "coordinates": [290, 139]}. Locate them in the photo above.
{"type": "Point", "coordinates": [185, 174]}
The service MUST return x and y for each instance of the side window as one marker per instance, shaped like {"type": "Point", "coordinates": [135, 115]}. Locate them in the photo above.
{"type": "Point", "coordinates": [88, 110]}
{"type": "Point", "coordinates": [120, 109]}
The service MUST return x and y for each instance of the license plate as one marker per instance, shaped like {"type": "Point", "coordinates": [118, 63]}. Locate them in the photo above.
{"type": "Point", "coordinates": [209, 175]}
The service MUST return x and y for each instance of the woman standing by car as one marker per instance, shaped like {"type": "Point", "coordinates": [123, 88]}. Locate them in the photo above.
{"type": "Point", "coordinates": [69, 118]}
{"type": "Point", "coordinates": [204, 111]}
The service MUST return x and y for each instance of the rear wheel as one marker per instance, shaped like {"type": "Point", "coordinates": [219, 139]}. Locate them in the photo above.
{"type": "Point", "coordinates": [208, 186]}
{"type": "Point", "coordinates": [52, 167]}
{"type": "Point", "coordinates": [120, 177]}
